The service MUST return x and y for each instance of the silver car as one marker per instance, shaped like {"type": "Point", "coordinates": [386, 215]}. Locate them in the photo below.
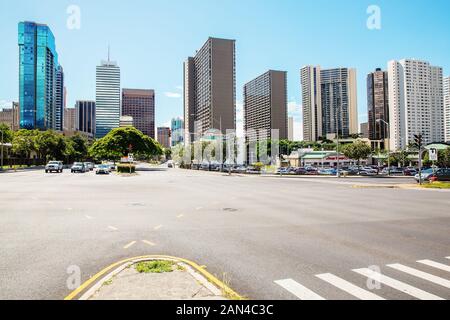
{"type": "Point", "coordinates": [54, 166]}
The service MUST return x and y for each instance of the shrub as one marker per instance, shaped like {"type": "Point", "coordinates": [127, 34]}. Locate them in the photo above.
{"type": "Point", "coordinates": [126, 168]}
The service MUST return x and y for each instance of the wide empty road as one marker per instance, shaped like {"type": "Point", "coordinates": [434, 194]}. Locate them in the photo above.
{"type": "Point", "coordinates": [270, 238]}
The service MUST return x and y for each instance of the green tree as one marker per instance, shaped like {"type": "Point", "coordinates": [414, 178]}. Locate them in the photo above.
{"type": "Point", "coordinates": [24, 143]}
{"type": "Point", "coordinates": [357, 150]}
{"type": "Point", "coordinates": [76, 148]}
{"type": "Point", "coordinates": [121, 141]}
{"type": "Point", "coordinates": [49, 144]}
{"type": "Point", "coordinates": [7, 133]}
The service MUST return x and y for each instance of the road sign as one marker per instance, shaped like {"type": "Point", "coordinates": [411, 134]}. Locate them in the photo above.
{"type": "Point", "coordinates": [434, 154]}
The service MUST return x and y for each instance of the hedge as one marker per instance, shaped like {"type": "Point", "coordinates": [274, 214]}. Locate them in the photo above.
{"type": "Point", "coordinates": [125, 168]}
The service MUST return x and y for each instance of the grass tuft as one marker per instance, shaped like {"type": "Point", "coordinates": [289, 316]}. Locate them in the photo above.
{"type": "Point", "coordinates": [437, 185]}
{"type": "Point", "coordinates": [154, 267]}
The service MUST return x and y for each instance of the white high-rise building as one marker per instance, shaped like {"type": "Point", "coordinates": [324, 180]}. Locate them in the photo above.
{"type": "Point", "coordinates": [447, 108]}
{"type": "Point", "coordinates": [291, 128]}
{"type": "Point", "coordinates": [312, 103]}
{"type": "Point", "coordinates": [416, 104]}
{"type": "Point", "coordinates": [107, 98]}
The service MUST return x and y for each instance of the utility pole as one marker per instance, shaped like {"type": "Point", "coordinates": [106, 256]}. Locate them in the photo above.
{"type": "Point", "coordinates": [1, 166]}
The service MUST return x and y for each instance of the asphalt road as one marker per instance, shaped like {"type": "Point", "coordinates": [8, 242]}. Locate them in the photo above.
{"type": "Point", "coordinates": [249, 231]}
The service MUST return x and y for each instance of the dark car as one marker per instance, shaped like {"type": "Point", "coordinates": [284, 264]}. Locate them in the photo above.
{"type": "Point", "coordinates": [440, 175]}
{"type": "Point", "coordinates": [410, 172]}
{"type": "Point", "coordinates": [300, 171]}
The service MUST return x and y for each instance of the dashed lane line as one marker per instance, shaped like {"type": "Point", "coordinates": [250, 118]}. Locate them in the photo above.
{"type": "Point", "coordinates": [112, 228]}
{"type": "Point", "coordinates": [132, 243]}
{"type": "Point", "coordinates": [149, 243]}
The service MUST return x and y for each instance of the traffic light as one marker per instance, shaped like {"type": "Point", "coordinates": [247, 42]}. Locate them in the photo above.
{"type": "Point", "coordinates": [418, 140]}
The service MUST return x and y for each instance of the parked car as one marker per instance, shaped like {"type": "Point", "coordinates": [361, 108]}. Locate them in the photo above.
{"type": "Point", "coordinates": [170, 164]}
{"type": "Point", "coordinates": [311, 171]}
{"type": "Point", "coordinates": [410, 172]}
{"type": "Point", "coordinates": [89, 166]}
{"type": "Point", "coordinates": [368, 171]}
{"type": "Point", "coordinates": [328, 172]}
{"type": "Point", "coordinates": [103, 169]}
{"type": "Point", "coordinates": [283, 171]}
{"type": "Point", "coordinates": [240, 169]}
{"type": "Point", "coordinates": [440, 175]}
{"type": "Point", "coordinates": [54, 166]}
{"type": "Point", "coordinates": [78, 167]}
{"type": "Point", "coordinates": [425, 174]}
{"type": "Point", "coordinates": [300, 171]}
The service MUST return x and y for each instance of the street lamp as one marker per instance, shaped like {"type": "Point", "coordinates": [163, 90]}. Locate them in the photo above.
{"type": "Point", "coordinates": [1, 166]}
{"type": "Point", "coordinates": [389, 151]}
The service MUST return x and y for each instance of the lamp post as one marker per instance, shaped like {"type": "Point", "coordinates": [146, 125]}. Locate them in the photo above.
{"type": "Point", "coordinates": [389, 151]}
{"type": "Point", "coordinates": [1, 166]}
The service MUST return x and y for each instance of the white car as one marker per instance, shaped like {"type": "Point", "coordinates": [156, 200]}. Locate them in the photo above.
{"type": "Point", "coordinates": [54, 166]}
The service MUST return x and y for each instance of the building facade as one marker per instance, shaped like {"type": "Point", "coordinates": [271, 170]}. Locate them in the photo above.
{"type": "Point", "coordinates": [177, 127]}
{"type": "Point", "coordinates": [85, 116]}
{"type": "Point", "coordinates": [364, 130]}
{"type": "Point", "coordinates": [329, 99]}
{"type": "Point", "coordinates": [311, 102]}
{"type": "Point", "coordinates": [59, 99]}
{"type": "Point", "coordinates": [11, 116]}
{"type": "Point", "coordinates": [378, 105]}
{"type": "Point", "coordinates": [290, 128]}
{"type": "Point", "coordinates": [339, 102]}
{"type": "Point", "coordinates": [38, 65]}
{"type": "Point", "coordinates": [416, 102]}
{"type": "Point", "coordinates": [210, 88]}
{"type": "Point", "coordinates": [447, 108]}
{"type": "Point", "coordinates": [164, 137]}
{"type": "Point", "coordinates": [107, 98]}
{"type": "Point", "coordinates": [265, 106]}
{"type": "Point", "coordinates": [140, 105]}
{"type": "Point", "coordinates": [69, 119]}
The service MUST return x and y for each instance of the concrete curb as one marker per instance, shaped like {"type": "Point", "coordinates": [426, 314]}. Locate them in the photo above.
{"type": "Point", "coordinates": [91, 286]}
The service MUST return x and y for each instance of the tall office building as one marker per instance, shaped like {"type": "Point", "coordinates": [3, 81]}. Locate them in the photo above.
{"type": "Point", "coordinates": [378, 105]}
{"type": "Point", "coordinates": [339, 102]}
{"type": "Point", "coordinates": [164, 137]}
{"type": "Point", "coordinates": [447, 108]}
{"type": "Point", "coordinates": [312, 103]}
{"type": "Point", "coordinates": [38, 65]}
{"type": "Point", "coordinates": [11, 116]}
{"type": "Point", "coordinates": [177, 127]}
{"type": "Point", "coordinates": [85, 116]}
{"type": "Point", "coordinates": [140, 104]}
{"type": "Point", "coordinates": [265, 106]}
{"type": "Point", "coordinates": [59, 99]}
{"type": "Point", "coordinates": [290, 128]}
{"type": "Point", "coordinates": [107, 98]}
{"type": "Point", "coordinates": [210, 87]}
{"type": "Point", "coordinates": [329, 101]}
{"type": "Point", "coordinates": [69, 119]}
{"type": "Point", "coordinates": [416, 102]}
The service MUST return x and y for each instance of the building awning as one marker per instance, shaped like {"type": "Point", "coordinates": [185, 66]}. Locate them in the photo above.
{"type": "Point", "coordinates": [438, 146]}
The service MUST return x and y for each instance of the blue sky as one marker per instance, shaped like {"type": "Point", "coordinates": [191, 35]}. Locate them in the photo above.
{"type": "Point", "coordinates": [150, 40]}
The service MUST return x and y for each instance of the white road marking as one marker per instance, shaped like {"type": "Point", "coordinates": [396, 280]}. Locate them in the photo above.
{"type": "Point", "coordinates": [89, 217]}
{"type": "Point", "coordinates": [180, 216]}
{"type": "Point", "coordinates": [113, 228]}
{"type": "Point", "coordinates": [149, 243]}
{"type": "Point", "coordinates": [298, 290]}
{"type": "Point", "coordinates": [436, 265]}
{"type": "Point", "coordinates": [348, 287]}
{"type": "Point", "coordinates": [403, 287]}
{"type": "Point", "coordinates": [158, 227]}
{"type": "Point", "coordinates": [69, 209]}
{"type": "Point", "coordinates": [132, 243]}
{"type": "Point", "coordinates": [420, 274]}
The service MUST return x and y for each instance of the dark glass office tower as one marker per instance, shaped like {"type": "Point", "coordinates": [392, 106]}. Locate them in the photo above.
{"type": "Point", "coordinates": [85, 116]}
{"type": "Point", "coordinates": [38, 63]}
{"type": "Point", "coordinates": [140, 105]}
{"type": "Point", "coordinates": [378, 105]}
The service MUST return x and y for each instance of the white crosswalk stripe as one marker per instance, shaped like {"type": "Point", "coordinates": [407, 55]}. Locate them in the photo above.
{"type": "Point", "coordinates": [420, 274]}
{"type": "Point", "coordinates": [298, 290]}
{"type": "Point", "coordinates": [348, 287]}
{"type": "Point", "coordinates": [398, 285]}
{"type": "Point", "coordinates": [436, 265]}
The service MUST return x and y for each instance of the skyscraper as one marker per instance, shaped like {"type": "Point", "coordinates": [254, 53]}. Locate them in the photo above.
{"type": "Point", "coordinates": [38, 65]}
{"type": "Point", "coordinates": [265, 106]}
{"type": "Point", "coordinates": [85, 116]}
{"type": "Point", "coordinates": [416, 102]}
{"type": "Point", "coordinates": [107, 98]}
{"type": "Point", "coordinates": [290, 128]}
{"type": "Point", "coordinates": [164, 137]}
{"type": "Point", "coordinates": [378, 105]}
{"type": "Point", "coordinates": [210, 87]}
{"type": "Point", "coordinates": [312, 103]}
{"type": "Point", "coordinates": [59, 99]}
{"type": "Point", "coordinates": [447, 108]}
{"type": "Point", "coordinates": [177, 127]}
{"type": "Point", "coordinates": [329, 101]}
{"type": "Point", "coordinates": [140, 104]}
{"type": "Point", "coordinates": [69, 119]}
{"type": "Point", "coordinates": [339, 102]}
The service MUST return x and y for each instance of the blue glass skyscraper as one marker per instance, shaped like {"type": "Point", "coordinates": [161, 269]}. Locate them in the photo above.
{"type": "Point", "coordinates": [38, 65]}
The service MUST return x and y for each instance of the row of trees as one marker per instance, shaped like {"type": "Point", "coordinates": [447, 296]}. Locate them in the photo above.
{"type": "Point", "coordinates": [51, 145]}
